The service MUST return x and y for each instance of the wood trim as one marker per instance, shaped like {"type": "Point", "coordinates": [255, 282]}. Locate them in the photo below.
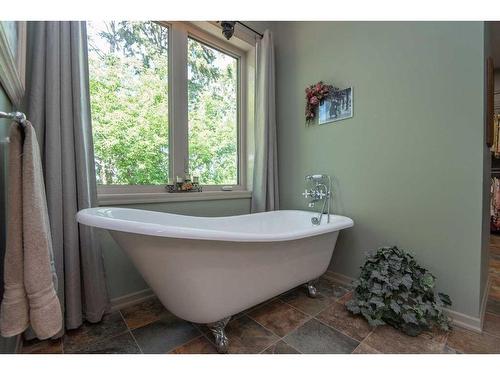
{"type": "Point", "coordinates": [490, 101]}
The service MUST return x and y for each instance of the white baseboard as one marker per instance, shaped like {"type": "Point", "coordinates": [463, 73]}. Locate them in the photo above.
{"type": "Point", "coordinates": [131, 299]}
{"type": "Point", "coordinates": [459, 319]}
{"type": "Point", "coordinates": [339, 278]}
{"type": "Point", "coordinates": [471, 323]}
{"type": "Point", "coordinates": [484, 302]}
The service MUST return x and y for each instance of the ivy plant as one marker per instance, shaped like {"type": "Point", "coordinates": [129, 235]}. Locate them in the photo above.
{"type": "Point", "coordinates": [393, 289]}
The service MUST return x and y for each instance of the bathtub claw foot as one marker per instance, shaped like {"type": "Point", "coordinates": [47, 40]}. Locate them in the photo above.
{"type": "Point", "coordinates": [311, 290]}
{"type": "Point", "coordinates": [221, 340]}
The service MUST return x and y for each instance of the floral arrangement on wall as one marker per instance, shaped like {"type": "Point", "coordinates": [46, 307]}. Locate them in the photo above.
{"type": "Point", "coordinates": [315, 94]}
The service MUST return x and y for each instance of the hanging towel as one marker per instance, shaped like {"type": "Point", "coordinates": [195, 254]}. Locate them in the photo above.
{"type": "Point", "coordinates": [14, 312]}
{"type": "Point", "coordinates": [39, 280]}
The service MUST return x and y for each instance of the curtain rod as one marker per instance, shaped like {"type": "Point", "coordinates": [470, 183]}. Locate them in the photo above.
{"type": "Point", "coordinates": [228, 28]}
{"type": "Point", "coordinates": [249, 28]}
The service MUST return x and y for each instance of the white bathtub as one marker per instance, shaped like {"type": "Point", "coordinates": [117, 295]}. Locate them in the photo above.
{"type": "Point", "coordinates": [205, 270]}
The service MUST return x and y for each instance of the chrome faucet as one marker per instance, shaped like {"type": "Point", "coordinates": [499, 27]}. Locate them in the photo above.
{"type": "Point", "coordinates": [321, 190]}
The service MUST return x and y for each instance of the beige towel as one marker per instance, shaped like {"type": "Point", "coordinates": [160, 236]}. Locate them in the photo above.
{"type": "Point", "coordinates": [45, 314]}
{"type": "Point", "coordinates": [14, 317]}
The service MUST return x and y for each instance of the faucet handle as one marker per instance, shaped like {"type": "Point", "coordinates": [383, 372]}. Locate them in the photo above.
{"type": "Point", "coordinates": [306, 193]}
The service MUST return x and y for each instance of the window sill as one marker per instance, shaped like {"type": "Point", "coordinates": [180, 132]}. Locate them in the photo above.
{"type": "Point", "coordinates": [137, 198]}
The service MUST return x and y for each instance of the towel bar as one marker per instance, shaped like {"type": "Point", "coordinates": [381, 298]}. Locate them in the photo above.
{"type": "Point", "coordinates": [18, 117]}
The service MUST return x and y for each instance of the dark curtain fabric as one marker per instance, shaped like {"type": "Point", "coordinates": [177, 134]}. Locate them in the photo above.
{"type": "Point", "coordinates": [58, 105]}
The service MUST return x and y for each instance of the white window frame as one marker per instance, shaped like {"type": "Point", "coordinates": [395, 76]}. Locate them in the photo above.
{"type": "Point", "coordinates": [178, 33]}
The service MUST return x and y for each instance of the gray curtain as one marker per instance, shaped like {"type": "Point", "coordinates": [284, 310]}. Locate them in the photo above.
{"type": "Point", "coordinates": [265, 174]}
{"type": "Point", "coordinates": [57, 104]}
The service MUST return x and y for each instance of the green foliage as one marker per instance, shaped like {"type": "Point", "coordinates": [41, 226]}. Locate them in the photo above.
{"type": "Point", "coordinates": [393, 289]}
{"type": "Point", "coordinates": [212, 114]}
{"type": "Point", "coordinates": [128, 66]}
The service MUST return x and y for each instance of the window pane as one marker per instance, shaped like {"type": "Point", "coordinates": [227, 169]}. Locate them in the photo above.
{"type": "Point", "coordinates": [212, 114]}
{"type": "Point", "coordinates": [128, 63]}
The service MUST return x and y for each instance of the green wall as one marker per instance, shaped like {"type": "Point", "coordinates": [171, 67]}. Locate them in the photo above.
{"type": "Point", "coordinates": [121, 275]}
{"type": "Point", "coordinates": [408, 166]}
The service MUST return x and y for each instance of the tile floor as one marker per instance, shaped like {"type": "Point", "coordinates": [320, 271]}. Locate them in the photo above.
{"type": "Point", "coordinates": [292, 323]}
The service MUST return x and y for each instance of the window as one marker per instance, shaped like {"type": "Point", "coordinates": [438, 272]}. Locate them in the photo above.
{"type": "Point", "coordinates": [128, 69]}
{"type": "Point", "coordinates": [213, 114]}
{"type": "Point", "coordinates": [165, 101]}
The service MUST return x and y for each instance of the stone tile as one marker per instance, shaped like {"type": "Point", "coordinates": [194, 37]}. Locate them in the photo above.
{"type": "Point", "coordinates": [448, 350]}
{"type": "Point", "coordinates": [365, 349]}
{"type": "Point", "coordinates": [200, 345]}
{"type": "Point", "coordinates": [387, 339]}
{"type": "Point", "coordinates": [299, 299]}
{"type": "Point", "coordinates": [143, 313]}
{"type": "Point", "coordinates": [164, 334]}
{"type": "Point", "coordinates": [492, 324]}
{"type": "Point", "coordinates": [280, 347]}
{"type": "Point", "coordinates": [330, 288]}
{"type": "Point", "coordinates": [121, 344]}
{"type": "Point", "coordinates": [493, 306]}
{"type": "Point", "coordinates": [278, 317]}
{"type": "Point", "coordinates": [250, 309]}
{"type": "Point", "coordinates": [77, 339]}
{"type": "Point", "coordinates": [436, 334]}
{"type": "Point", "coordinates": [315, 337]}
{"type": "Point", "coordinates": [248, 337]}
{"type": "Point", "coordinates": [36, 346]}
{"type": "Point", "coordinates": [473, 343]}
{"type": "Point", "coordinates": [346, 297]}
{"type": "Point", "coordinates": [337, 316]}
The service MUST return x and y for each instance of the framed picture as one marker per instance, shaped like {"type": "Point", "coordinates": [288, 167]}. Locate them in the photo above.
{"type": "Point", "coordinates": [13, 59]}
{"type": "Point", "coordinates": [337, 107]}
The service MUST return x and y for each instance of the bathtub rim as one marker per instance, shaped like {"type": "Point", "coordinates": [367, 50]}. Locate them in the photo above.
{"type": "Point", "coordinates": [90, 217]}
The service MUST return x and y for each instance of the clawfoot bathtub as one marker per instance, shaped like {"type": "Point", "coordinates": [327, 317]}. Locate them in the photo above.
{"type": "Point", "coordinates": [205, 270]}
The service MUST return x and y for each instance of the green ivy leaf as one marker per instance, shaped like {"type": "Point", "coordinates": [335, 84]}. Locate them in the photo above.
{"type": "Point", "coordinates": [445, 299]}
{"type": "Point", "coordinates": [393, 289]}
{"type": "Point", "coordinates": [395, 307]}
{"type": "Point", "coordinates": [407, 281]}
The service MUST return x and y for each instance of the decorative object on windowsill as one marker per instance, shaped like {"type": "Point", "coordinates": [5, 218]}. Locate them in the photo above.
{"type": "Point", "coordinates": [393, 289]}
{"type": "Point", "coordinates": [184, 185]}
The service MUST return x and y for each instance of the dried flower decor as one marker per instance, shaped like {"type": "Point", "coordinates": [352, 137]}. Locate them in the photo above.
{"type": "Point", "coordinates": [315, 94]}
